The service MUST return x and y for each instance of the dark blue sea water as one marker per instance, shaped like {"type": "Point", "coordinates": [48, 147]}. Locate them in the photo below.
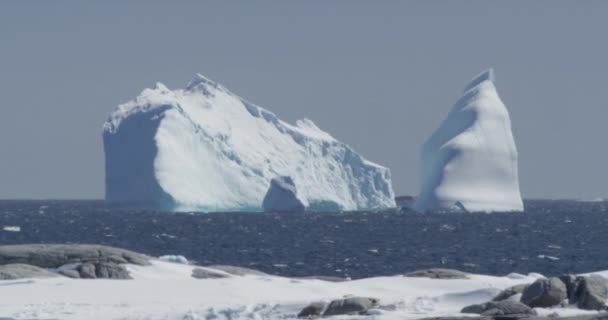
{"type": "Point", "coordinates": [551, 237]}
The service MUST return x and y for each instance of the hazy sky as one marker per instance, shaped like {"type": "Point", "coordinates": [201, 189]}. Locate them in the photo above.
{"type": "Point", "coordinates": [378, 75]}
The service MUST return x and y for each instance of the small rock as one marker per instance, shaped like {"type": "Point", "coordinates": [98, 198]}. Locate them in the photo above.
{"type": "Point", "coordinates": [353, 305]}
{"type": "Point", "coordinates": [545, 293]}
{"type": "Point", "coordinates": [70, 273]}
{"type": "Point", "coordinates": [313, 310]}
{"type": "Point", "coordinates": [511, 291]}
{"type": "Point", "coordinates": [592, 293]}
{"type": "Point", "coordinates": [572, 283]}
{"type": "Point", "coordinates": [87, 271]}
{"type": "Point", "coordinates": [438, 273]}
{"type": "Point", "coordinates": [237, 271]}
{"type": "Point", "coordinates": [200, 273]}
{"type": "Point", "coordinates": [108, 270]}
{"type": "Point", "coordinates": [499, 308]}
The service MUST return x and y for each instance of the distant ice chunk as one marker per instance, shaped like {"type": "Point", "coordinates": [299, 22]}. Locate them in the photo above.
{"type": "Point", "coordinates": [470, 161]}
{"type": "Point", "coordinates": [11, 228]}
{"type": "Point", "coordinates": [205, 149]}
{"type": "Point", "coordinates": [282, 196]}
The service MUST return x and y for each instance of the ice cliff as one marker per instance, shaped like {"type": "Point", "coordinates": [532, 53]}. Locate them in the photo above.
{"type": "Point", "coordinates": [470, 161]}
{"type": "Point", "coordinates": [204, 148]}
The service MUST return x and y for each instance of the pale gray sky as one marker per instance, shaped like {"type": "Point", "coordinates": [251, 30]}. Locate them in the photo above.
{"type": "Point", "coordinates": [379, 75]}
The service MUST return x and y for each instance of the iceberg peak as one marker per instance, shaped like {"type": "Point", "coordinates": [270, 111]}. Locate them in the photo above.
{"type": "Point", "coordinates": [202, 84]}
{"type": "Point", "coordinates": [470, 162]}
{"type": "Point", "coordinates": [486, 75]}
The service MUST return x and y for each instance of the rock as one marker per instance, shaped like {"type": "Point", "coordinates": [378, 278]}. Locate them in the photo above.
{"type": "Point", "coordinates": [324, 278]}
{"type": "Point", "coordinates": [57, 255]}
{"type": "Point", "coordinates": [592, 293]}
{"type": "Point", "coordinates": [352, 305]}
{"type": "Point", "coordinates": [237, 271]}
{"type": "Point", "coordinates": [21, 271]}
{"type": "Point", "coordinates": [87, 271]}
{"type": "Point", "coordinates": [572, 283]}
{"type": "Point", "coordinates": [70, 273]}
{"type": "Point", "coordinates": [499, 308]}
{"type": "Point", "coordinates": [313, 310]}
{"type": "Point", "coordinates": [282, 196]}
{"type": "Point", "coordinates": [109, 270]}
{"type": "Point", "coordinates": [511, 291]}
{"type": "Point", "coordinates": [438, 273]}
{"type": "Point", "coordinates": [204, 273]}
{"type": "Point", "coordinates": [545, 293]}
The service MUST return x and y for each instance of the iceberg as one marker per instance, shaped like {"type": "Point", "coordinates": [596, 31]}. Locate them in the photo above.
{"type": "Point", "coordinates": [470, 162]}
{"type": "Point", "coordinates": [282, 196]}
{"type": "Point", "coordinates": [204, 148]}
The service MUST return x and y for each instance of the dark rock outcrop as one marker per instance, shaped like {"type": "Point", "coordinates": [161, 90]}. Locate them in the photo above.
{"type": "Point", "coordinates": [313, 310]}
{"type": "Point", "coordinates": [438, 273]}
{"type": "Point", "coordinates": [545, 293]}
{"type": "Point", "coordinates": [57, 255]}
{"type": "Point", "coordinates": [499, 308]}
{"type": "Point", "coordinates": [511, 291]}
{"type": "Point", "coordinates": [592, 293]}
{"type": "Point", "coordinates": [350, 306]}
{"type": "Point", "coordinates": [74, 261]}
{"type": "Point", "coordinates": [22, 271]}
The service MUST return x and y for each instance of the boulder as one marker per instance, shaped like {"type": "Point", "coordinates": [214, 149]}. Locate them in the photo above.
{"type": "Point", "coordinates": [109, 270]}
{"type": "Point", "coordinates": [545, 293]}
{"type": "Point", "coordinates": [204, 273]}
{"type": "Point", "coordinates": [349, 306]}
{"type": "Point", "coordinates": [438, 273]}
{"type": "Point", "coordinates": [21, 271]}
{"type": "Point", "coordinates": [572, 283]}
{"type": "Point", "coordinates": [592, 293]}
{"type": "Point", "coordinates": [313, 310]}
{"type": "Point", "coordinates": [237, 271]}
{"type": "Point", "coordinates": [511, 291]}
{"type": "Point", "coordinates": [282, 196]}
{"type": "Point", "coordinates": [87, 271]}
{"type": "Point", "coordinates": [499, 308]}
{"type": "Point", "coordinates": [57, 255]}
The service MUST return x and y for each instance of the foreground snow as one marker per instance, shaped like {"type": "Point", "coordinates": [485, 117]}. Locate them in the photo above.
{"type": "Point", "coordinates": [470, 161]}
{"type": "Point", "coordinates": [166, 290]}
{"type": "Point", "coordinates": [204, 148]}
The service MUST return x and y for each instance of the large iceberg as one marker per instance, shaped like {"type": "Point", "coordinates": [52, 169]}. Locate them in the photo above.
{"type": "Point", "coordinates": [470, 161]}
{"type": "Point", "coordinates": [204, 148]}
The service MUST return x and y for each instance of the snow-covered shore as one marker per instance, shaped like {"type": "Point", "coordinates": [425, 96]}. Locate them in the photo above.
{"type": "Point", "coordinates": [167, 290]}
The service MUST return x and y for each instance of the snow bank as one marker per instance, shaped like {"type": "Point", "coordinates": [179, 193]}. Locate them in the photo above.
{"type": "Point", "coordinates": [470, 161]}
{"type": "Point", "coordinates": [204, 148]}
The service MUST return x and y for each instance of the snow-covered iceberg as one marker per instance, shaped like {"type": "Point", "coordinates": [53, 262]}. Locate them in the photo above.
{"type": "Point", "coordinates": [470, 161]}
{"type": "Point", "coordinates": [204, 148]}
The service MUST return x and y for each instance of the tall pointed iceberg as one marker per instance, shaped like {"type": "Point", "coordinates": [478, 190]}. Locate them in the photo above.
{"type": "Point", "coordinates": [204, 148]}
{"type": "Point", "coordinates": [470, 161]}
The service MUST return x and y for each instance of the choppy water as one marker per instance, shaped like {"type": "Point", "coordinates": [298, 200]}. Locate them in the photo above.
{"type": "Point", "coordinates": [551, 237]}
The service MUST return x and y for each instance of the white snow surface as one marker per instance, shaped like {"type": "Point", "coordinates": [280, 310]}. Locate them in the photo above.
{"type": "Point", "coordinates": [204, 148]}
{"type": "Point", "coordinates": [166, 291]}
{"type": "Point", "coordinates": [470, 162]}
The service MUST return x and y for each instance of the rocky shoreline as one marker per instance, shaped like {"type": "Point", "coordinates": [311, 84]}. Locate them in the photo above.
{"type": "Point", "coordinates": [82, 261]}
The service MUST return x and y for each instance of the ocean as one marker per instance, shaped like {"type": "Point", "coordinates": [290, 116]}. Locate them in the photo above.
{"type": "Point", "coordinates": [552, 237]}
